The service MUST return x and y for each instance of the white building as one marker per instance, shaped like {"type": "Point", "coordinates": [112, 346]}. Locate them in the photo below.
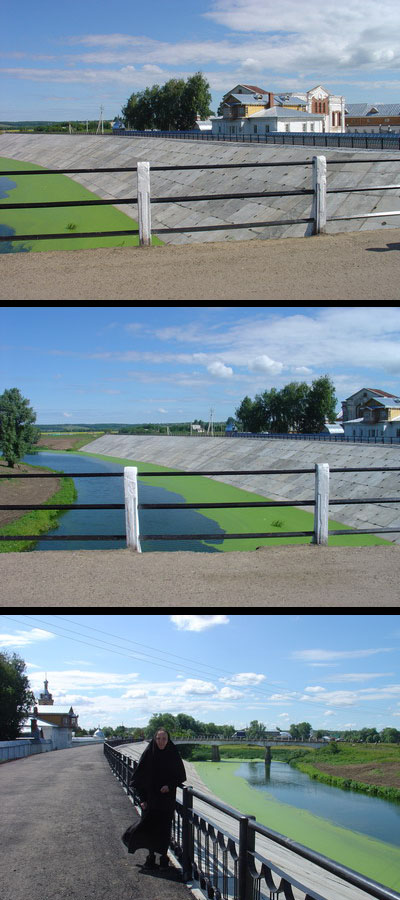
{"type": "Point", "coordinates": [371, 414]}
{"type": "Point", "coordinates": [249, 110]}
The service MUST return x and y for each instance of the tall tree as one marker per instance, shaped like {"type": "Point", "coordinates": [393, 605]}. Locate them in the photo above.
{"type": "Point", "coordinates": [16, 698]}
{"type": "Point", "coordinates": [321, 405]}
{"type": "Point", "coordinates": [17, 431]}
{"type": "Point", "coordinates": [172, 107]}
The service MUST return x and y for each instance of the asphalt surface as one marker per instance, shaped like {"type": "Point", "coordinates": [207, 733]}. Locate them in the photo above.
{"type": "Point", "coordinates": [353, 266]}
{"type": "Point", "coordinates": [63, 814]}
{"type": "Point", "coordinates": [273, 577]}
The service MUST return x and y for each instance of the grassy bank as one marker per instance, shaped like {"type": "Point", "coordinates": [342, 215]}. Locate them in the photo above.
{"type": "Point", "coordinates": [59, 220]}
{"type": "Point", "coordinates": [373, 858]}
{"type": "Point", "coordinates": [38, 521]}
{"type": "Point", "coordinates": [373, 769]}
{"type": "Point", "coordinates": [236, 521]}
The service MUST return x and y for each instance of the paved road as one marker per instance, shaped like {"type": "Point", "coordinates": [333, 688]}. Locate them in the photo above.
{"type": "Point", "coordinates": [273, 577]}
{"type": "Point", "coordinates": [63, 814]}
{"type": "Point", "coordinates": [353, 266]}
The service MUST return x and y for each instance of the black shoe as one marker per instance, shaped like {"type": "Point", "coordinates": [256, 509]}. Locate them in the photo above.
{"type": "Point", "coordinates": [164, 862]}
{"type": "Point", "coordinates": [150, 861]}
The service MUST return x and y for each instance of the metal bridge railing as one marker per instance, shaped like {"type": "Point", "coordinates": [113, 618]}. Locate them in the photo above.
{"type": "Point", "coordinates": [144, 200]}
{"type": "Point", "coordinates": [229, 862]}
{"type": "Point", "coordinates": [134, 538]}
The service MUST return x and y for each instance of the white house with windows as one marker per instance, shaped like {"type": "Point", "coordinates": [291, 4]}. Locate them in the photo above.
{"type": "Point", "coordinates": [371, 413]}
{"type": "Point", "coordinates": [250, 110]}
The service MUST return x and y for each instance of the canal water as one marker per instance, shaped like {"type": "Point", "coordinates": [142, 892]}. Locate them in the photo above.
{"type": "Point", "coordinates": [361, 832]}
{"type": "Point", "coordinates": [112, 521]}
{"type": "Point", "coordinates": [368, 815]}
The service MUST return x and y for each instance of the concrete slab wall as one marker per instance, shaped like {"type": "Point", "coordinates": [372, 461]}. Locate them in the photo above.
{"type": "Point", "coordinates": [206, 453]}
{"type": "Point", "coordinates": [86, 151]}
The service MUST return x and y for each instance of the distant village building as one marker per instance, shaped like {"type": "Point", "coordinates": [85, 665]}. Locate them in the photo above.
{"type": "Point", "coordinates": [378, 118]}
{"type": "Point", "coordinates": [371, 413]}
{"type": "Point", "coordinates": [55, 724]}
{"type": "Point", "coordinates": [250, 110]}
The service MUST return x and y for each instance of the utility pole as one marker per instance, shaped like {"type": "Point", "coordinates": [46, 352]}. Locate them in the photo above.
{"type": "Point", "coordinates": [210, 429]}
{"type": "Point", "coordinates": [100, 121]}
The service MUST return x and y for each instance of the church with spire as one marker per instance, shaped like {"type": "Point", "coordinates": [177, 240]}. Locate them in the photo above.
{"type": "Point", "coordinates": [54, 715]}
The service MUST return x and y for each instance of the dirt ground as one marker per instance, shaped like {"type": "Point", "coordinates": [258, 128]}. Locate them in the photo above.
{"type": "Point", "coordinates": [347, 266]}
{"type": "Point", "coordinates": [288, 577]}
{"type": "Point", "coordinates": [380, 773]}
{"type": "Point", "coordinates": [23, 490]}
{"type": "Point", "coordinates": [56, 443]}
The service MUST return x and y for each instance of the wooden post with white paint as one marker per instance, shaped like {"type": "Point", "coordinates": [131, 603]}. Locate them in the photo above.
{"type": "Point", "coordinates": [131, 508]}
{"type": "Point", "coordinates": [143, 197]}
{"type": "Point", "coordinates": [321, 504]}
{"type": "Point", "coordinates": [319, 187]}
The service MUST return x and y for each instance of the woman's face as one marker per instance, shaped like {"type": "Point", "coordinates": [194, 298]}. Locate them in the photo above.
{"type": "Point", "coordinates": [161, 740]}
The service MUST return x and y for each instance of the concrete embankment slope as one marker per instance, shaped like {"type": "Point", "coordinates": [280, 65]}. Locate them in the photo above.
{"type": "Point", "coordinates": [74, 151]}
{"type": "Point", "coordinates": [201, 454]}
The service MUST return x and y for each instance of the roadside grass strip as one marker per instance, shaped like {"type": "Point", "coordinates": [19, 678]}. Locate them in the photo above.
{"type": "Point", "coordinates": [38, 521]}
{"type": "Point", "coordinates": [50, 188]}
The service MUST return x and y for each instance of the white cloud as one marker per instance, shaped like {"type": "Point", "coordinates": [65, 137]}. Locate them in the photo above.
{"type": "Point", "coordinates": [220, 370]}
{"type": "Point", "coordinates": [195, 687]}
{"type": "Point", "coordinates": [245, 679]}
{"type": "Point", "coordinates": [265, 364]}
{"type": "Point", "coordinates": [198, 623]}
{"type": "Point", "coordinates": [327, 656]}
{"type": "Point", "coordinates": [22, 638]}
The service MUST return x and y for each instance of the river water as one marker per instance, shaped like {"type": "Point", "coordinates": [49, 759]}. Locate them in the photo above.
{"type": "Point", "coordinates": [361, 832]}
{"type": "Point", "coordinates": [112, 521]}
{"type": "Point", "coordinates": [368, 815]}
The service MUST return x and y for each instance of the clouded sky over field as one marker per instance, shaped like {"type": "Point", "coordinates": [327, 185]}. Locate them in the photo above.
{"type": "Point", "coordinates": [61, 61]}
{"type": "Point", "coordinates": [169, 364]}
{"type": "Point", "coordinates": [332, 671]}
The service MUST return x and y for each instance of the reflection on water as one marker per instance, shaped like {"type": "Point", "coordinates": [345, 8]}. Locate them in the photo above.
{"type": "Point", "coordinates": [112, 521]}
{"type": "Point", "coordinates": [358, 812]}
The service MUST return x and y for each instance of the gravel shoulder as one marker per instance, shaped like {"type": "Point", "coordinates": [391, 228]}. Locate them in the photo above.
{"type": "Point", "coordinates": [273, 577]}
{"type": "Point", "coordinates": [359, 265]}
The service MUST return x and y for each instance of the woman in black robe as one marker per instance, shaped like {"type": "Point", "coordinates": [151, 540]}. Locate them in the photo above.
{"type": "Point", "coordinates": [155, 780]}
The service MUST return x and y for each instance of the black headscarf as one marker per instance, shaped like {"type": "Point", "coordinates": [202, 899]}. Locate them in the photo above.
{"type": "Point", "coordinates": [155, 769]}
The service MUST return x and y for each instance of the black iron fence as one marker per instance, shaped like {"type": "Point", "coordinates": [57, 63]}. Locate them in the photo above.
{"type": "Point", "coordinates": [229, 863]}
{"type": "Point", "coordinates": [353, 140]}
{"type": "Point", "coordinates": [133, 536]}
{"type": "Point", "coordinates": [315, 222]}
{"type": "Point", "coordinates": [336, 438]}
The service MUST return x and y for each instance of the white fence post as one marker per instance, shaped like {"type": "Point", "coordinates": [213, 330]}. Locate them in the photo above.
{"type": "Point", "coordinates": [143, 195]}
{"type": "Point", "coordinates": [319, 187]}
{"type": "Point", "coordinates": [321, 504]}
{"type": "Point", "coordinates": [131, 508]}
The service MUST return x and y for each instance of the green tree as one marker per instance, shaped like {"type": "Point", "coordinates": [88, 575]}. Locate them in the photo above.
{"type": "Point", "coordinates": [301, 732]}
{"type": "Point", "coordinates": [195, 101]}
{"type": "Point", "coordinates": [172, 107]}
{"type": "Point", "coordinates": [16, 698]}
{"type": "Point", "coordinates": [390, 736]}
{"type": "Point", "coordinates": [160, 720]}
{"type": "Point", "coordinates": [17, 431]}
{"type": "Point", "coordinates": [321, 405]}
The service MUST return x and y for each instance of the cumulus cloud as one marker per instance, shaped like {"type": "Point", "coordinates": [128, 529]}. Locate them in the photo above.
{"type": "Point", "coordinates": [219, 370]}
{"type": "Point", "coordinates": [245, 679]}
{"type": "Point", "coordinates": [265, 364]}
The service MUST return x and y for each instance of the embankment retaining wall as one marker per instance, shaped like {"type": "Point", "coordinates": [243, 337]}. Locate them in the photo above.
{"type": "Point", "coordinates": [73, 151]}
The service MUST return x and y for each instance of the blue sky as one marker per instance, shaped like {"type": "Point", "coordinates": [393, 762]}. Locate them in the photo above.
{"type": "Point", "coordinates": [173, 364]}
{"type": "Point", "coordinates": [62, 61]}
{"type": "Point", "coordinates": [330, 670]}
